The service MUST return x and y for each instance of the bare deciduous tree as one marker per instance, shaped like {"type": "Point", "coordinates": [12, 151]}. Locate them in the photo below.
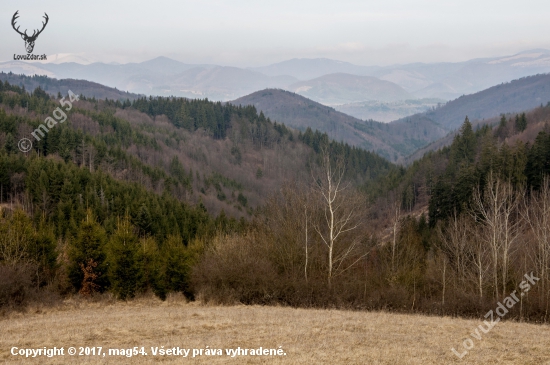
{"type": "Point", "coordinates": [16, 236]}
{"type": "Point", "coordinates": [466, 252]}
{"type": "Point", "coordinates": [536, 213]}
{"type": "Point", "coordinates": [396, 221]}
{"type": "Point", "coordinates": [285, 212]}
{"type": "Point", "coordinates": [454, 238]}
{"type": "Point", "coordinates": [497, 209]}
{"type": "Point", "coordinates": [479, 260]}
{"type": "Point", "coordinates": [341, 215]}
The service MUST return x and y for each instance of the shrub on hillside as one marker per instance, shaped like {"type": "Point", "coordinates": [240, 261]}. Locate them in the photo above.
{"type": "Point", "coordinates": [15, 284]}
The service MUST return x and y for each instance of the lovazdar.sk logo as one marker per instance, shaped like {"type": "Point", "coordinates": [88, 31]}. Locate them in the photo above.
{"type": "Point", "coordinates": [29, 39]}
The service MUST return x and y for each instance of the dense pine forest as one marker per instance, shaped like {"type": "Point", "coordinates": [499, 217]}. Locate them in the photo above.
{"type": "Point", "coordinates": [222, 204]}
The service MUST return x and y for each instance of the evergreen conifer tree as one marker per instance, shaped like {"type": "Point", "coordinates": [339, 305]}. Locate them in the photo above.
{"type": "Point", "coordinates": [88, 245]}
{"type": "Point", "coordinates": [124, 268]}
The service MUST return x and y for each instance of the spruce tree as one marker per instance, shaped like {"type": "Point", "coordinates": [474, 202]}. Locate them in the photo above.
{"type": "Point", "coordinates": [502, 121]}
{"type": "Point", "coordinates": [502, 130]}
{"type": "Point", "coordinates": [521, 122]}
{"type": "Point", "coordinates": [466, 147]}
{"type": "Point", "coordinates": [143, 220]}
{"type": "Point", "coordinates": [10, 143]}
{"type": "Point", "coordinates": [147, 257]}
{"type": "Point", "coordinates": [173, 266]}
{"type": "Point", "coordinates": [124, 268]}
{"type": "Point", "coordinates": [43, 252]}
{"type": "Point", "coordinates": [88, 245]}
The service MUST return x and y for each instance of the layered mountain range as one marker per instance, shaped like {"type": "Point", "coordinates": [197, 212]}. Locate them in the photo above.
{"type": "Point", "coordinates": [329, 82]}
{"type": "Point", "coordinates": [400, 138]}
{"type": "Point", "coordinates": [394, 141]}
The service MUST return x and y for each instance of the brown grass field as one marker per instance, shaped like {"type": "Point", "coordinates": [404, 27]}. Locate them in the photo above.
{"type": "Point", "coordinates": [307, 336]}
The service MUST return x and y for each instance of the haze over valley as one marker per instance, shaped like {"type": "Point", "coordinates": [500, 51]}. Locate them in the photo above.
{"type": "Point", "coordinates": [365, 92]}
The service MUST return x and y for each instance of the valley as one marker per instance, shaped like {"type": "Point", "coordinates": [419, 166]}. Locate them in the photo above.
{"type": "Point", "coordinates": [310, 182]}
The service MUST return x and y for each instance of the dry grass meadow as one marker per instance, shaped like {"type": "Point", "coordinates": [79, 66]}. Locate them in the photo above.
{"type": "Point", "coordinates": [307, 336]}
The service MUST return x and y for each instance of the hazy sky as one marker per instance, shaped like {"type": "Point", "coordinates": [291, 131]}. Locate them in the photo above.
{"type": "Point", "coordinates": [258, 32]}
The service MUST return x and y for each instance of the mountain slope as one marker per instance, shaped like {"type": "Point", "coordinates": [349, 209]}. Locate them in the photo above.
{"type": "Point", "coordinates": [450, 80]}
{"type": "Point", "coordinates": [79, 87]}
{"type": "Point", "coordinates": [161, 76]}
{"type": "Point", "coordinates": [307, 68]}
{"type": "Point", "coordinates": [393, 141]}
{"type": "Point", "coordinates": [227, 157]}
{"type": "Point", "coordinates": [340, 88]}
{"type": "Point", "coordinates": [516, 96]}
{"type": "Point", "coordinates": [218, 83]}
{"type": "Point", "coordinates": [446, 80]}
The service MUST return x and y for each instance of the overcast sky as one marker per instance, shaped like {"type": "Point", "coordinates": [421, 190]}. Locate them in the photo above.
{"type": "Point", "coordinates": [258, 32]}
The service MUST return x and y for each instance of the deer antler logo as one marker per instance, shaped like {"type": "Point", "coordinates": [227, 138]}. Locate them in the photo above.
{"type": "Point", "coordinates": [29, 40]}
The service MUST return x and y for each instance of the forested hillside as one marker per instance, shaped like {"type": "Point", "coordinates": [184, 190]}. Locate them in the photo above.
{"type": "Point", "coordinates": [500, 145]}
{"type": "Point", "coordinates": [217, 201]}
{"type": "Point", "coordinates": [53, 86]}
{"type": "Point", "coordinates": [511, 97]}
{"type": "Point", "coordinates": [454, 233]}
{"type": "Point", "coordinates": [123, 196]}
{"type": "Point", "coordinates": [394, 141]}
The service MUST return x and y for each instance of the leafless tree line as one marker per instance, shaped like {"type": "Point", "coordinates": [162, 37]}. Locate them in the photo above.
{"type": "Point", "coordinates": [313, 245]}
{"type": "Point", "coordinates": [505, 234]}
{"type": "Point", "coordinates": [308, 241]}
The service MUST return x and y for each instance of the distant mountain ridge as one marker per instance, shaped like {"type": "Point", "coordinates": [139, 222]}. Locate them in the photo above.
{"type": "Point", "coordinates": [80, 87]}
{"type": "Point", "coordinates": [341, 88]}
{"type": "Point", "coordinates": [395, 141]}
{"type": "Point", "coordinates": [400, 138]}
{"type": "Point", "coordinates": [164, 77]}
{"type": "Point", "coordinates": [161, 77]}
{"type": "Point", "coordinates": [445, 80]}
{"type": "Point", "coordinates": [307, 68]}
{"type": "Point", "coordinates": [511, 97]}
